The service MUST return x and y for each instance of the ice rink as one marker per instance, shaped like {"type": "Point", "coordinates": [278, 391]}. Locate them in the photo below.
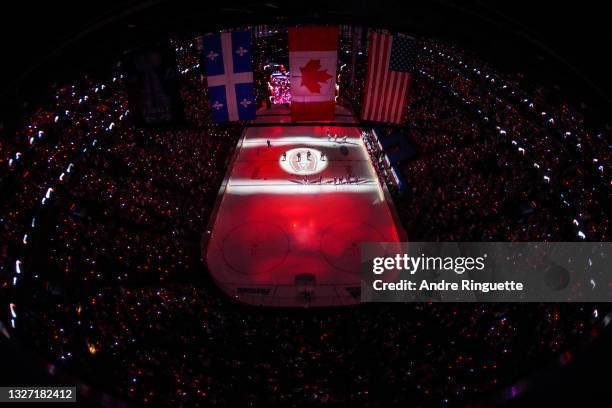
{"type": "Point", "coordinates": [280, 218]}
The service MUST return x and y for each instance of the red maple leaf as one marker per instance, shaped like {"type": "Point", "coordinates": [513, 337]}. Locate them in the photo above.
{"type": "Point", "coordinates": [312, 76]}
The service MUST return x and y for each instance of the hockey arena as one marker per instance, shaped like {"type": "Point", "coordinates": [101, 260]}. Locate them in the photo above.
{"type": "Point", "coordinates": [188, 191]}
{"type": "Point", "coordinates": [289, 224]}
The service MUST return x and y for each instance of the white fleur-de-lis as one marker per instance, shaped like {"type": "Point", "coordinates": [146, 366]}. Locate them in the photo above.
{"type": "Point", "coordinates": [217, 105]}
{"type": "Point", "coordinates": [212, 55]}
{"type": "Point", "coordinates": [245, 103]}
{"type": "Point", "coordinates": [241, 51]}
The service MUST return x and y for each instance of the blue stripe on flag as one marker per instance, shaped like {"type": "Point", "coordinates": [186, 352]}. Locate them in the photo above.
{"type": "Point", "coordinates": [218, 103]}
{"type": "Point", "coordinates": [212, 55]}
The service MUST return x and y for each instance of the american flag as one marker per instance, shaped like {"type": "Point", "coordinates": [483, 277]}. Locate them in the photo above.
{"type": "Point", "coordinates": [390, 60]}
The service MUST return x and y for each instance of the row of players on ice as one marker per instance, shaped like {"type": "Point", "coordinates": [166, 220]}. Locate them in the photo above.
{"type": "Point", "coordinates": [335, 137]}
{"type": "Point", "coordinates": [348, 179]}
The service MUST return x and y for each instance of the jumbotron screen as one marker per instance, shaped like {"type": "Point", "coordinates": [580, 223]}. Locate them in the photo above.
{"type": "Point", "coordinates": [357, 204]}
{"type": "Point", "coordinates": [280, 88]}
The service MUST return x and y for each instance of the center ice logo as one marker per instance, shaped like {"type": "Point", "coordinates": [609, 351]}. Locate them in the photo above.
{"type": "Point", "coordinates": [302, 161]}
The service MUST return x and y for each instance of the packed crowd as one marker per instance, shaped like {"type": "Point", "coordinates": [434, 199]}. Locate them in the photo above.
{"type": "Point", "coordinates": [180, 345]}
{"type": "Point", "coordinates": [41, 156]}
{"type": "Point", "coordinates": [494, 163]}
{"type": "Point", "coordinates": [104, 220]}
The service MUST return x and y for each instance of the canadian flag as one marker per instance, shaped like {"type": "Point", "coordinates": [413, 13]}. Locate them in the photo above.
{"type": "Point", "coordinates": [313, 57]}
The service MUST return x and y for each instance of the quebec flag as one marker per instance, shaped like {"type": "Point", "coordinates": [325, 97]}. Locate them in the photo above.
{"type": "Point", "coordinates": [227, 57]}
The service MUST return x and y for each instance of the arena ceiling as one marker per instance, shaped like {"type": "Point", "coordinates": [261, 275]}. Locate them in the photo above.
{"type": "Point", "coordinates": [549, 41]}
